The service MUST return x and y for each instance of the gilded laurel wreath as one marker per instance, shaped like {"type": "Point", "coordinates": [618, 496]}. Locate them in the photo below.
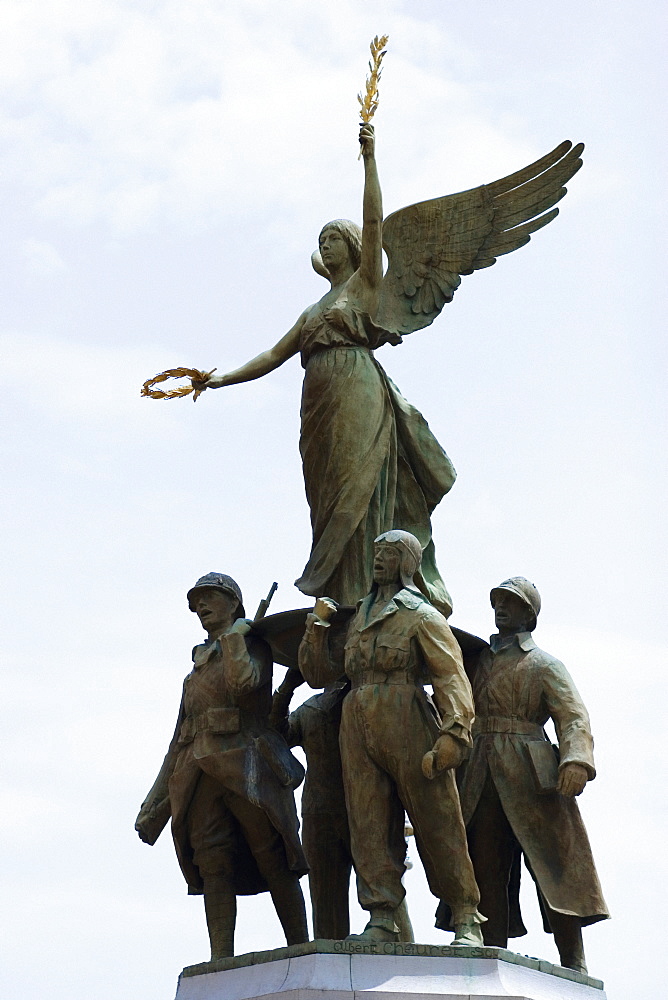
{"type": "Point", "coordinates": [369, 103]}
{"type": "Point", "coordinates": [183, 390]}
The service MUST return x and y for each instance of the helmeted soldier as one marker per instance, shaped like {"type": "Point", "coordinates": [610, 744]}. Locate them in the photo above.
{"type": "Point", "coordinates": [517, 794]}
{"type": "Point", "coordinates": [227, 779]}
{"type": "Point", "coordinates": [393, 740]}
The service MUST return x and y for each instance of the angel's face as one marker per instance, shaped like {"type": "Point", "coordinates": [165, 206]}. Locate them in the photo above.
{"type": "Point", "coordinates": [334, 250]}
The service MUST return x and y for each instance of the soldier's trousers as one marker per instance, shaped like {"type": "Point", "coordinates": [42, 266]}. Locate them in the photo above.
{"type": "Point", "coordinates": [385, 732]}
{"type": "Point", "coordinates": [216, 819]}
{"type": "Point", "coordinates": [497, 856]}
{"type": "Point", "coordinates": [327, 849]}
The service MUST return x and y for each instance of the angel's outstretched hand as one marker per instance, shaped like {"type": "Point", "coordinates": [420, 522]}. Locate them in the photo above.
{"type": "Point", "coordinates": [212, 382]}
{"type": "Point", "coordinates": [367, 141]}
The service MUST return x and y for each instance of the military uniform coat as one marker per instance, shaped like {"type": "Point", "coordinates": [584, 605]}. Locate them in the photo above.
{"type": "Point", "coordinates": [222, 730]}
{"type": "Point", "coordinates": [516, 690]}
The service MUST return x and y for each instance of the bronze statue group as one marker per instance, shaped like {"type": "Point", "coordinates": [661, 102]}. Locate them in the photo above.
{"type": "Point", "coordinates": [468, 761]}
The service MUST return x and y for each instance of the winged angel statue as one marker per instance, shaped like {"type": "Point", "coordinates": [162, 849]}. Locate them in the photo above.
{"type": "Point", "coordinates": [370, 461]}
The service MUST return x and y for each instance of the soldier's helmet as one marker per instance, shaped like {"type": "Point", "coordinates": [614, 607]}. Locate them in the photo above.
{"type": "Point", "coordinates": [525, 590]}
{"type": "Point", "coordinates": [410, 549]}
{"type": "Point", "coordinates": [219, 581]}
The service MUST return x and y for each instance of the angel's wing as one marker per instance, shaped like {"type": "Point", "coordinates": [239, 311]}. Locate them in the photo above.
{"type": "Point", "coordinates": [429, 245]}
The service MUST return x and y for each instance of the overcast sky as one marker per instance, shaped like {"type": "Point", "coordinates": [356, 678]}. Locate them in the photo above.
{"type": "Point", "coordinates": [165, 169]}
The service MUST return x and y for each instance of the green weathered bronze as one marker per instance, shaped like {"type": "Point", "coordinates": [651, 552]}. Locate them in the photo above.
{"type": "Point", "coordinates": [517, 790]}
{"type": "Point", "coordinates": [314, 726]}
{"type": "Point", "coordinates": [227, 780]}
{"type": "Point", "coordinates": [370, 461]}
{"type": "Point", "coordinates": [398, 750]}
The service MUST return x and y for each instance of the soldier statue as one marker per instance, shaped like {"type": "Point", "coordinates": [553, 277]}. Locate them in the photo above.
{"type": "Point", "coordinates": [228, 778]}
{"type": "Point", "coordinates": [518, 794]}
{"type": "Point", "coordinates": [394, 739]}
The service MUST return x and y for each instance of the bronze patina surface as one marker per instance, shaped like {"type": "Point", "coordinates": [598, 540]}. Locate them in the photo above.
{"type": "Point", "coordinates": [518, 791]}
{"type": "Point", "coordinates": [394, 741]}
{"type": "Point", "coordinates": [369, 460]}
{"type": "Point", "coordinates": [227, 780]}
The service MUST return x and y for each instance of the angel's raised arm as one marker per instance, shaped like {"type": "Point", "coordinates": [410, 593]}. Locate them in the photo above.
{"type": "Point", "coordinates": [371, 265]}
{"type": "Point", "coordinates": [264, 363]}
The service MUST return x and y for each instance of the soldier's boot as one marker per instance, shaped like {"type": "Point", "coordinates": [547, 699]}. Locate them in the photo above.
{"type": "Point", "coordinates": [568, 939]}
{"type": "Point", "coordinates": [381, 927]}
{"type": "Point", "coordinates": [220, 906]}
{"type": "Point", "coordinates": [468, 932]}
{"type": "Point", "coordinates": [403, 921]}
{"type": "Point", "coordinates": [288, 899]}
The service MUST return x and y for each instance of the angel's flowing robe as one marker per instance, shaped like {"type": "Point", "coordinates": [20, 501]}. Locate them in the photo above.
{"type": "Point", "coordinates": [370, 461]}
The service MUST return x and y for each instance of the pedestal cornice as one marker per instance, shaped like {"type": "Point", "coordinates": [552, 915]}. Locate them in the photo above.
{"type": "Point", "coordinates": [344, 969]}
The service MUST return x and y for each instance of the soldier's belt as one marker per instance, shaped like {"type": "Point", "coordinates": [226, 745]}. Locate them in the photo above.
{"type": "Point", "coordinates": [499, 724]}
{"type": "Point", "coordinates": [382, 677]}
{"type": "Point", "coordinates": [214, 720]}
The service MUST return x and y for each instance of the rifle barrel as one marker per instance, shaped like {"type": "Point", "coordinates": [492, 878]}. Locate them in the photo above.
{"type": "Point", "coordinates": [264, 604]}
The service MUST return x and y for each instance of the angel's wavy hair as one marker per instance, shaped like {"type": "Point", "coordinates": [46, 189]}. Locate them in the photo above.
{"type": "Point", "coordinates": [351, 233]}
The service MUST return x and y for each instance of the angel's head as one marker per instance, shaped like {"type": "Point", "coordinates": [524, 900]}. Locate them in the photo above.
{"type": "Point", "coordinates": [338, 238]}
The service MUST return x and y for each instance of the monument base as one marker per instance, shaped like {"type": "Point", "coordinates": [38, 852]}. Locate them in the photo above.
{"type": "Point", "coordinates": [341, 970]}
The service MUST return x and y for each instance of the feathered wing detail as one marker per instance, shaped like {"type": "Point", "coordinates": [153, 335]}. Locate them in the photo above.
{"type": "Point", "coordinates": [431, 244]}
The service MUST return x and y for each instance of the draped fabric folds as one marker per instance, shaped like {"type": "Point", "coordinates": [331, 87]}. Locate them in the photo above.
{"type": "Point", "coordinates": [370, 461]}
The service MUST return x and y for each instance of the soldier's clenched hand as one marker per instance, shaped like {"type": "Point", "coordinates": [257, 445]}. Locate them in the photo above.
{"type": "Point", "coordinates": [572, 779]}
{"type": "Point", "coordinates": [446, 753]}
{"type": "Point", "coordinates": [325, 608]}
{"type": "Point", "coordinates": [146, 815]}
{"type": "Point", "coordinates": [241, 627]}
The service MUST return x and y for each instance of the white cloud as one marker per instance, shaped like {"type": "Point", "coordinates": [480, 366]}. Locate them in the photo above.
{"type": "Point", "coordinates": [211, 139]}
{"type": "Point", "coordinates": [42, 258]}
{"type": "Point", "coordinates": [74, 379]}
{"type": "Point", "coordinates": [98, 384]}
{"type": "Point", "coordinates": [125, 114]}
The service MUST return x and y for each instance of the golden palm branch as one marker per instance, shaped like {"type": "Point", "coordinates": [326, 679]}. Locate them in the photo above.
{"type": "Point", "coordinates": [369, 103]}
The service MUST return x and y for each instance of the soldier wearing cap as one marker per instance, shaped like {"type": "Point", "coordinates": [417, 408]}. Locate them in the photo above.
{"type": "Point", "coordinates": [227, 780]}
{"type": "Point", "coordinates": [517, 793]}
{"type": "Point", "coordinates": [393, 740]}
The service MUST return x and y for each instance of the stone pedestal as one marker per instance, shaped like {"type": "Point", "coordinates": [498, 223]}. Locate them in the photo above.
{"type": "Point", "coordinates": [342, 970]}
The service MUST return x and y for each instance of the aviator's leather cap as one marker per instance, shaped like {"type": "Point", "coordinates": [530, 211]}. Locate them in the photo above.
{"type": "Point", "coordinates": [410, 549]}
